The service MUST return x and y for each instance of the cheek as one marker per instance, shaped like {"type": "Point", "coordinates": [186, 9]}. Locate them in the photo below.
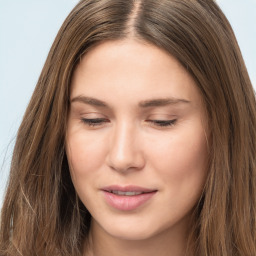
{"type": "Point", "coordinates": [182, 158]}
{"type": "Point", "coordinates": [85, 154]}
{"type": "Point", "coordinates": [182, 168]}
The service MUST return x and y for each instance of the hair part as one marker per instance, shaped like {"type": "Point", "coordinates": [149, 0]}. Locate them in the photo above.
{"type": "Point", "coordinates": [42, 214]}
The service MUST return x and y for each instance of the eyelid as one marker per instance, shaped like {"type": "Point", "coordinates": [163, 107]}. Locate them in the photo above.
{"type": "Point", "coordinates": [161, 116]}
{"type": "Point", "coordinates": [94, 122]}
{"type": "Point", "coordinates": [92, 115]}
{"type": "Point", "coordinates": [162, 123]}
{"type": "Point", "coordinates": [99, 122]}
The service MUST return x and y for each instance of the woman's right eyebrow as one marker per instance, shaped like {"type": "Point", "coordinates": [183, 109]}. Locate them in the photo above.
{"type": "Point", "coordinates": [89, 101]}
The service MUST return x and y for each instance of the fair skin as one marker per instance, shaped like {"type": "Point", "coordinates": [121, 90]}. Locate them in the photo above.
{"type": "Point", "coordinates": [136, 119]}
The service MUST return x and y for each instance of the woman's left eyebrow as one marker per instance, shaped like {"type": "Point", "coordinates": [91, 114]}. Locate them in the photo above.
{"type": "Point", "coordinates": [162, 102]}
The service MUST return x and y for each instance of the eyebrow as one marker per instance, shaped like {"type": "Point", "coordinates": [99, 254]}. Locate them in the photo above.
{"type": "Point", "coordinates": [89, 100]}
{"type": "Point", "coordinates": [143, 104]}
{"type": "Point", "coordinates": [161, 102]}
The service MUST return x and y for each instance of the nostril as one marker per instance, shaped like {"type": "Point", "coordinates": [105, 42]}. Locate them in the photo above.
{"type": "Point", "coordinates": [126, 163]}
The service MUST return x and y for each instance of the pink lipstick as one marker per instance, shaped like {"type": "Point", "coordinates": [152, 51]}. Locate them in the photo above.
{"type": "Point", "coordinates": [127, 198]}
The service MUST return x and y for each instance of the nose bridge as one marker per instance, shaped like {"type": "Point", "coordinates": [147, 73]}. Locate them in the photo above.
{"type": "Point", "coordinates": [125, 152]}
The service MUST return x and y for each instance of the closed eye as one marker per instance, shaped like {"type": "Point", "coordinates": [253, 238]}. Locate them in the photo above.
{"type": "Point", "coordinates": [92, 122]}
{"type": "Point", "coordinates": [162, 123]}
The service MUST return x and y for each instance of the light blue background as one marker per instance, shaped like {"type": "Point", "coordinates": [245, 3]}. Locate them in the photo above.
{"type": "Point", "coordinates": [27, 30]}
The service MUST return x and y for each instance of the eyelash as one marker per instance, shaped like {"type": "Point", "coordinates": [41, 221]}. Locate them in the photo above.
{"type": "Point", "coordinates": [99, 121]}
{"type": "Point", "coordinates": [92, 122]}
{"type": "Point", "coordinates": [163, 123]}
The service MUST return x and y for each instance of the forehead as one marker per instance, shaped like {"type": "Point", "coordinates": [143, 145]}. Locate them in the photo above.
{"type": "Point", "coordinates": [130, 69]}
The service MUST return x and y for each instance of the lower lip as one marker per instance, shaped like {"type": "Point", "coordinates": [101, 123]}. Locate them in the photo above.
{"type": "Point", "coordinates": [127, 203]}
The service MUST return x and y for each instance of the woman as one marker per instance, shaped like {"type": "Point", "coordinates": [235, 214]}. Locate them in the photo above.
{"type": "Point", "coordinates": [139, 138]}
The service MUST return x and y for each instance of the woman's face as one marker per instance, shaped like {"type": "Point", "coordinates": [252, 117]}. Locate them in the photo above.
{"type": "Point", "coordinates": [136, 141]}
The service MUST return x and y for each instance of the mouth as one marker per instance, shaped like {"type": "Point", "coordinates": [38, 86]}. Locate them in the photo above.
{"type": "Point", "coordinates": [127, 190]}
{"type": "Point", "coordinates": [127, 198]}
{"type": "Point", "coordinates": [127, 193]}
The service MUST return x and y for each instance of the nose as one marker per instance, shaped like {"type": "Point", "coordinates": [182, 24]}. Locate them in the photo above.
{"type": "Point", "coordinates": [125, 151]}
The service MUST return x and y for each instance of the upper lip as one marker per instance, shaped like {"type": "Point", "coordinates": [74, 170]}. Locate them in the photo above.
{"type": "Point", "coordinates": [129, 188]}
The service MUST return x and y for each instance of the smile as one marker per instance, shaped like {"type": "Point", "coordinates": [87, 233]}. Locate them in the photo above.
{"type": "Point", "coordinates": [128, 193]}
{"type": "Point", "coordinates": [127, 198]}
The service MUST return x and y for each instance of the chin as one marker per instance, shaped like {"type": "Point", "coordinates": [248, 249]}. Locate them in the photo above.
{"type": "Point", "coordinates": [131, 230]}
{"type": "Point", "coordinates": [131, 234]}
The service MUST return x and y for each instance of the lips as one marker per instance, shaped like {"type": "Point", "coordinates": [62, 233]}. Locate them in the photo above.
{"type": "Point", "coordinates": [125, 193]}
{"type": "Point", "coordinates": [127, 198]}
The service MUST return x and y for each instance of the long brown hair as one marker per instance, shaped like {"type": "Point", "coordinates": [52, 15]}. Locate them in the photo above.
{"type": "Point", "coordinates": [42, 214]}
